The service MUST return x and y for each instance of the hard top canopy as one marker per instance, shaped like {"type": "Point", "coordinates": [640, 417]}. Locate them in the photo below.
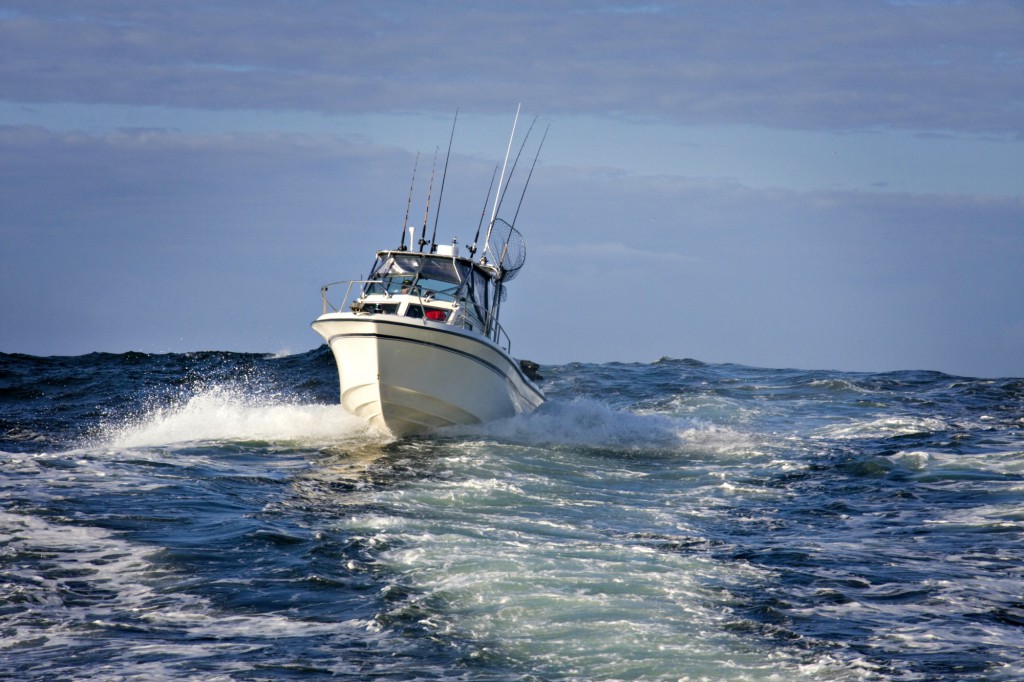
{"type": "Point", "coordinates": [427, 266]}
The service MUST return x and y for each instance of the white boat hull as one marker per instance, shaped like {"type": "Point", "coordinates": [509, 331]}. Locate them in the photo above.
{"type": "Point", "coordinates": [412, 376]}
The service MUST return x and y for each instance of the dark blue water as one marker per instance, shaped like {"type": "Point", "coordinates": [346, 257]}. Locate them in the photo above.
{"type": "Point", "coordinates": [217, 516]}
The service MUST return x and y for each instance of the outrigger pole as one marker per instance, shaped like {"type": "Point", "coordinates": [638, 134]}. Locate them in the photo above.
{"type": "Point", "coordinates": [408, 204]}
{"type": "Point", "coordinates": [437, 214]}
{"type": "Point", "coordinates": [497, 194]}
{"type": "Point", "coordinates": [515, 164]}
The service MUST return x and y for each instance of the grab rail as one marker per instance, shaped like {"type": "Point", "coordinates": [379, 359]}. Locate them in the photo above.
{"type": "Point", "coordinates": [348, 292]}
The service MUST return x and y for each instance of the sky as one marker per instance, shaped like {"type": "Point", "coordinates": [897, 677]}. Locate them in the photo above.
{"type": "Point", "coordinates": [830, 185]}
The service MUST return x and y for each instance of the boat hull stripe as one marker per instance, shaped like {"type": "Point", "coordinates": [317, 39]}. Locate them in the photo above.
{"type": "Point", "coordinates": [485, 343]}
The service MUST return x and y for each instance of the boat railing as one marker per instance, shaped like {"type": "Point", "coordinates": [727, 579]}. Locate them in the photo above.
{"type": "Point", "coordinates": [495, 331]}
{"type": "Point", "coordinates": [466, 320]}
{"type": "Point", "coordinates": [497, 334]}
{"type": "Point", "coordinates": [348, 292]}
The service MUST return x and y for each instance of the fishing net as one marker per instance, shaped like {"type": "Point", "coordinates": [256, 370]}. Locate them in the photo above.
{"type": "Point", "coordinates": [507, 249]}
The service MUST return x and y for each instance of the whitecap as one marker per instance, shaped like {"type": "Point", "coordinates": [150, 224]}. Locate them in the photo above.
{"type": "Point", "coordinates": [965, 465]}
{"type": "Point", "coordinates": [884, 427]}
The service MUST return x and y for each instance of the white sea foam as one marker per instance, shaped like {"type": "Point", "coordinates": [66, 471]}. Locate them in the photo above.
{"type": "Point", "coordinates": [525, 554]}
{"type": "Point", "coordinates": [837, 384]}
{"type": "Point", "coordinates": [884, 427]}
{"type": "Point", "coordinates": [223, 413]}
{"type": "Point", "coordinates": [589, 423]}
{"type": "Point", "coordinates": [996, 465]}
{"type": "Point", "coordinates": [573, 607]}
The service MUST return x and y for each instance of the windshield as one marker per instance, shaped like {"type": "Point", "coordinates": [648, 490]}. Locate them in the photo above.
{"type": "Point", "coordinates": [422, 275]}
{"type": "Point", "coordinates": [436, 268]}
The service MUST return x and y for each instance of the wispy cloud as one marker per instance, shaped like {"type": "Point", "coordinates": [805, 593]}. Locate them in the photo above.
{"type": "Point", "coordinates": [831, 65]}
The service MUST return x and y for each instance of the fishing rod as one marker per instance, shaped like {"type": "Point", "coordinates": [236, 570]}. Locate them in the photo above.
{"type": "Point", "coordinates": [530, 174]}
{"type": "Point", "coordinates": [483, 212]}
{"type": "Point", "coordinates": [408, 203]}
{"type": "Point", "coordinates": [430, 189]}
{"type": "Point", "coordinates": [437, 214]}
{"type": "Point", "coordinates": [497, 194]}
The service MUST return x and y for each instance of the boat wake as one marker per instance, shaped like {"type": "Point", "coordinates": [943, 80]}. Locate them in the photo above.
{"type": "Point", "coordinates": [228, 413]}
{"type": "Point", "coordinates": [593, 424]}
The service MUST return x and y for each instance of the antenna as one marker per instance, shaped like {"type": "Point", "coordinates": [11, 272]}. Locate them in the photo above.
{"type": "Point", "coordinates": [497, 194]}
{"type": "Point", "coordinates": [437, 214]}
{"type": "Point", "coordinates": [409, 203]}
{"type": "Point", "coordinates": [430, 189]}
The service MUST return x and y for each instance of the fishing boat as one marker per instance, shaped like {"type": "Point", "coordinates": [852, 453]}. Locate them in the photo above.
{"type": "Point", "coordinates": [418, 345]}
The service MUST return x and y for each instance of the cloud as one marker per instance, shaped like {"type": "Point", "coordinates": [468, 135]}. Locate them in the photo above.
{"type": "Point", "coordinates": [835, 65]}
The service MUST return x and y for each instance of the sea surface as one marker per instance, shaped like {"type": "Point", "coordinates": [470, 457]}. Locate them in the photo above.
{"type": "Point", "coordinates": [217, 516]}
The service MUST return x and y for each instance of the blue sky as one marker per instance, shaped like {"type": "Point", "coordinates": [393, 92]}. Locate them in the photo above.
{"type": "Point", "coordinates": [827, 185]}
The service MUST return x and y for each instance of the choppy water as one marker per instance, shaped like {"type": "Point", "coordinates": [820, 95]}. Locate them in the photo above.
{"type": "Point", "coordinates": [216, 516]}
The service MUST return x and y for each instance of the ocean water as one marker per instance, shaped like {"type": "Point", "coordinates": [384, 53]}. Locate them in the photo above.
{"type": "Point", "coordinates": [217, 516]}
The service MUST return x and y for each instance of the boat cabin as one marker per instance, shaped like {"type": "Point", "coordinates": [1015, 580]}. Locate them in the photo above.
{"type": "Point", "coordinates": [438, 287]}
